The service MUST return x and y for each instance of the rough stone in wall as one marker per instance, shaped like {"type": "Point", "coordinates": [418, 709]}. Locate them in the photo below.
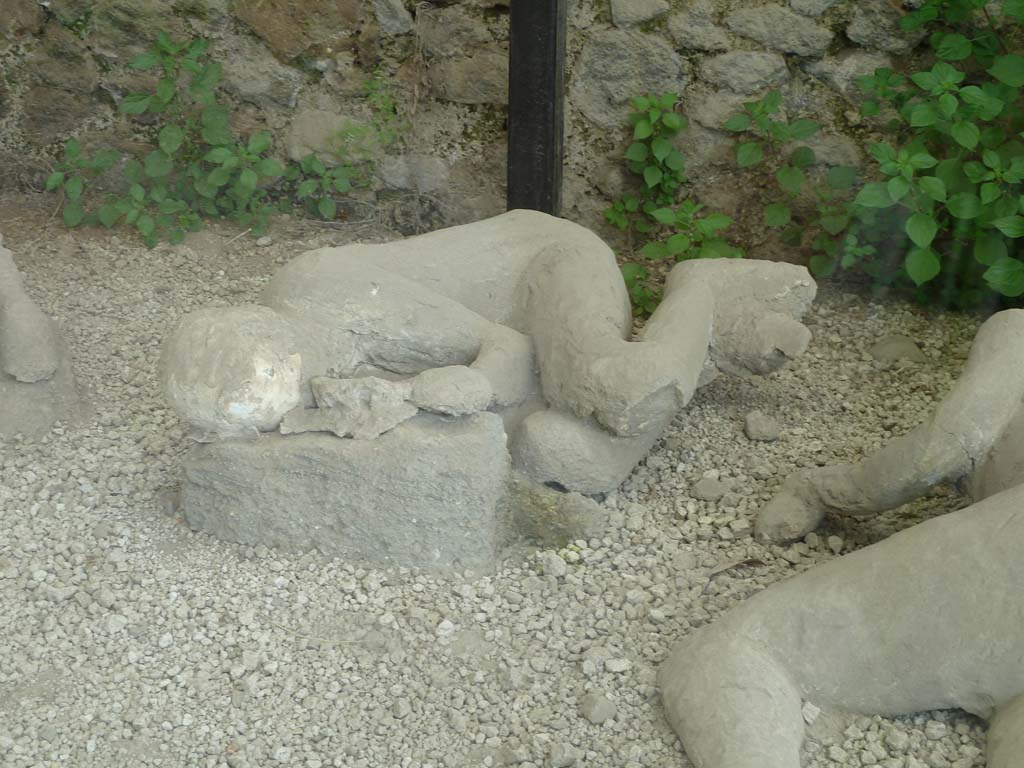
{"type": "Point", "coordinates": [290, 27]}
{"type": "Point", "coordinates": [447, 32]}
{"type": "Point", "coordinates": [615, 65]}
{"type": "Point", "coordinates": [812, 7]}
{"type": "Point", "coordinates": [263, 81]}
{"type": "Point", "coordinates": [780, 28]}
{"type": "Point", "coordinates": [695, 28]}
{"type": "Point", "coordinates": [478, 79]}
{"type": "Point", "coordinates": [745, 72]}
{"type": "Point", "coordinates": [630, 13]}
{"type": "Point", "coordinates": [841, 72]}
{"type": "Point", "coordinates": [876, 24]}
{"type": "Point", "coordinates": [20, 18]}
{"type": "Point", "coordinates": [393, 17]}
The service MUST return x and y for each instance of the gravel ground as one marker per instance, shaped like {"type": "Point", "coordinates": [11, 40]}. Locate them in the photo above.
{"type": "Point", "coordinates": [128, 640]}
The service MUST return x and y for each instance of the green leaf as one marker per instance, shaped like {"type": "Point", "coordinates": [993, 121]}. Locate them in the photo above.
{"type": "Point", "coordinates": [964, 205]}
{"type": "Point", "coordinates": [208, 78]}
{"type": "Point", "coordinates": [259, 142]}
{"type": "Point", "coordinates": [171, 138]}
{"type": "Point", "coordinates": [145, 60]}
{"type": "Point", "coordinates": [342, 184]}
{"type": "Point", "coordinates": [748, 154]}
{"type": "Point", "coordinates": [640, 103]}
{"type": "Point", "coordinates": [921, 228]}
{"type": "Point", "coordinates": [655, 250]}
{"type": "Point", "coordinates": [874, 195]}
{"type": "Point", "coordinates": [72, 149]}
{"type": "Point", "coordinates": [1011, 226]}
{"type": "Point", "coordinates": [268, 166]}
{"type": "Point", "coordinates": [822, 265]}
{"type": "Point", "coordinates": [135, 104]}
{"type": "Point", "coordinates": [714, 222]}
{"type": "Point", "coordinates": [1009, 69]}
{"type": "Point", "coordinates": [924, 115]}
{"type": "Point", "coordinates": [54, 180]}
{"type": "Point", "coordinates": [678, 244]}
{"type": "Point", "coordinates": [145, 225]}
{"type": "Point", "coordinates": [834, 224]}
{"type": "Point", "coordinates": [660, 148]}
{"type": "Point", "coordinates": [954, 48]}
{"type": "Point", "coordinates": [327, 208]}
{"type": "Point", "coordinates": [922, 265]}
{"type": "Point", "coordinates": [158, 164]}
{"type": "Point", "coordinates": [897, 187]}
{"type": "Point", "coordinates": [637, 152]}
{"type": "Point", "coordinates": [802, 157]}
{"type": "Point", "coordinates": [777, 215]}
{"type": "Point", "coordinates": [926, 81]}
{"type": "Point", "coordinates": [790, 179]}
{"type": "Point", "coordinates": [948, 105]}
{"type": "Point", "coordinates": [673, 122]}
{"type": "Point", "coordinates": [165, 89]}
{"type": "Point", "coordinates": [218, 155]}
{"type": "Point", "coordinates": [218, 177]}
{"type": "Point", "coordinates": [803, 129]}
{"type": "Point", "coordinates": [675, 161]}
{"type": "Point", "coordinates": [663, 215]}
{"type": "Point", "coordinates": [633, 273]}
{"type": "Point", "coordinates": [248, 179]}
{"type": "Point", "coordinates": [652, 176]}
{"type": "Point", "coordinates": [737, 123]}
{"type": "Point", "coordinates": [73, 187]}
{"type": "Point", "coordinates": [965, 134]}
{"type": "Point", "coordinates": [643, 129]}
{"type": "Point", "coordinates": [1006, 276]}
{"type": "Point", "coordinates": [989, 248]}
{"type": "Point", "coordinates": [883, 153]}
{"type": "Point", "coordinates": [137, 192]}
{"type": "Point", "coordinates": [73, 213]}
{"type": "Point", "coordinates": [922, 160]}
{"type": "Point", "coordinates": [841, 177]}
{"type": "Point", "coordinates": [108, 215]}
{"type": "Point", "coordinates": [990, 193]}
{"type": "Point", "coordinates": [306, 188]}
{"type": "Point", "coordinates": [933, 187]}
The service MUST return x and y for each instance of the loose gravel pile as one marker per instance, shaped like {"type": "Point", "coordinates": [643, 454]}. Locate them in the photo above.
{"type": "Point", "coordinates": [129, 640]}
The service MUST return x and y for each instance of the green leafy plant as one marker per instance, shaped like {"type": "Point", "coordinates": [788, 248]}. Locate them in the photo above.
{"type": "Point", "coordinates": [653, 157]}
{"type": "Point", "coordinates": [316, 184]}
{"type": "Point", "coordinates": [72, 175]}
{"type": "Point", "coordinates": [673, 230]}
{"type": "Point", "coordinates": [770, 144]}
{"type": "Point", "coordinates": [951, 180]}
{"type": "Point", "coordinates": [692, 235]}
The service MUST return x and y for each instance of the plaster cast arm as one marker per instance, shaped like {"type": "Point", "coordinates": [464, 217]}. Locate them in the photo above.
{"type": "Point", "coordinates": [948, 446]}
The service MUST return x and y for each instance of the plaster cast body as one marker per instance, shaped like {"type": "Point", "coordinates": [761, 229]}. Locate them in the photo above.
{"type": "Point", "coordinates": [523, 315]}
{"type": "Point", "coordinates": [931, 618]}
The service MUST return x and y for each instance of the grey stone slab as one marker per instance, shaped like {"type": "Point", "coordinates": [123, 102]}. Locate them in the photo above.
{"type": "Point", "coordinates": [429, 493]}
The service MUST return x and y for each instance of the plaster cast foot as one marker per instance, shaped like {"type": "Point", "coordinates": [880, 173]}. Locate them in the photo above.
{"type": "Point", "coordinates": [732, 705]}
{"type": "Point", "coordinates": [950, 445]}
{"type": "Point", "coordinates": [29, 350]}
{"type": "Point", "coordinates": [791, 515]}
{"type": "Point", "coordinates": [1006, 736]}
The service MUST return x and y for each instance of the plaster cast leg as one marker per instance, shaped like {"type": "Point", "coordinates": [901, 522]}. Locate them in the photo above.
{"type": "Point", "coordinates": [741, 710]}
{"type": "Point", "coordinates": [588, 367]}
{"type": "Point", "coordinates": [950, 445]}
{"type": "Point", "coordinates": [1006, 736]}
{"type": "Point", "coordinates": [930, 618]}
{"type": "Point", "coordinates": [29, 350]}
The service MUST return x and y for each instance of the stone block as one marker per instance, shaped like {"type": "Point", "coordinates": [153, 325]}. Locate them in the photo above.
{"type": "Point", "coordinates": [429, 493]}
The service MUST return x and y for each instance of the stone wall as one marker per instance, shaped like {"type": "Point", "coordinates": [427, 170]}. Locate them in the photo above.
{"type": "Point", "coordinates": [298, 67]}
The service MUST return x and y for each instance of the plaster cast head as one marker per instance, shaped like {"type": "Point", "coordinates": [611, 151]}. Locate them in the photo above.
{"type": "Point", "coordinates": [232, 371]}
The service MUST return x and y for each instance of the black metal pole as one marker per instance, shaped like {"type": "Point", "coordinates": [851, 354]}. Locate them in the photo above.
{"type": "Point", "coordinates": [535, 113]}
